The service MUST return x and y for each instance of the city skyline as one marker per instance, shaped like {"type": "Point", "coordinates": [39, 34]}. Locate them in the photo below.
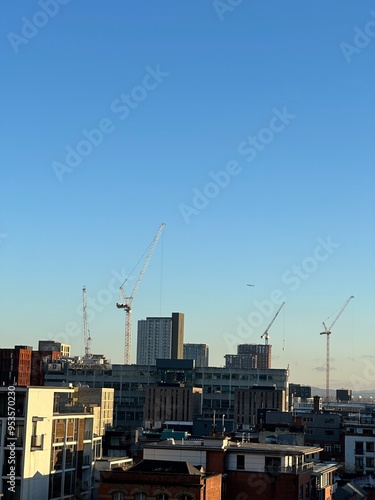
{"type": "Point", "coordinates": [247, 130]}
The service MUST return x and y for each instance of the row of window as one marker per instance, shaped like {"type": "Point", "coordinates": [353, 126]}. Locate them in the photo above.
{"type": "Point", "coordinates": [359, 447]}
{"type": "Point", "coordinates": [119, 495]}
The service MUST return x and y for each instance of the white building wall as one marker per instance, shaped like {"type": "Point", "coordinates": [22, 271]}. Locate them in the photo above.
{"type": "Point", "coordinates": [254, 463]}
{"type": "Point", "coordinates": [36, 467]}
{"type": "Point", "coordinates": [195, 457]}
{"type": "Point", "coordinates": [350, 455]}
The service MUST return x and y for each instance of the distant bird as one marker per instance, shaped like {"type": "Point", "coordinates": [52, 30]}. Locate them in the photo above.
{"type": "Point", "coordinates": [248, 284]}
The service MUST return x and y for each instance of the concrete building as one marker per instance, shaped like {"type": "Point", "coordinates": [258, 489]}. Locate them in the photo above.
{"type": "Point", "coordinates": [359, 448]}
{"type": "Point", "coordinates": [198, 352]}
{"type": "Point", "coordinates": [322, 429]}
{"type": "Point", "coordinates": [160, 338]}
{"type": "Point", "coordinates": [250, 356]}
{"type": "Point", "coordinates": [249, 404]}
{"type": "Point", "coordinates": [299, 391]}
{"type": "Point", "coordinates": [103, 399]}
{"type": "Point", "coordinates": [55, 346]}
{"type": "Point", "coordinates": [218, 386]}
{"type": "Point", "coordinates": [46, 453]}
{"type": "Point", "coordinates": [343, 395]}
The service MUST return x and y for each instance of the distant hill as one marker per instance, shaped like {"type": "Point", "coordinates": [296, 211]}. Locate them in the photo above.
{"type": "Point", "coordinates": [316, 391]}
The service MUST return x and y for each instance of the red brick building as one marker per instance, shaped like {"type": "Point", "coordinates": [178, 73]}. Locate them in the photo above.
{"type": "Point", "coordinates": [254, 470]}
{"type": "Point", "coordinates": [15, 366]}
{"type": "Point", "coordinates": [22, 366]}
{"type": "Point", "coordinates": [160, 480]}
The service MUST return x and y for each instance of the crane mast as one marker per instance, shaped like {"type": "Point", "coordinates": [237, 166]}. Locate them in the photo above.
{"type": "Point", "coordinates": [86, 331]}
{"type": "Point", "coordinates": [265, 335]}
{"type": "Point", "coordinates": [126, 304]}
{"type": "Point", "coordinates": [327, 331]}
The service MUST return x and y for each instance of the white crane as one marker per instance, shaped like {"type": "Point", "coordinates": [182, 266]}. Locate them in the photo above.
{"type": "Point", "coordinates": [128, 300]}
{"type": "Point", "coordinates": [86, 331]}
{"type": "Point", "coordinates": [265, 335]}
{"type": "Point", "coordinates": [327, 331]}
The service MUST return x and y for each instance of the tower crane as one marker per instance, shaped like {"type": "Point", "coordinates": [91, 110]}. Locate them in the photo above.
{"type": "Point", "coordinates": [86, 331]}
{"type": "Point", "coordinates": [327, 331]}
{"type": "Point", "coordinates": [265, 335]}
{"type": "Point", "coordinates": [126, 304]}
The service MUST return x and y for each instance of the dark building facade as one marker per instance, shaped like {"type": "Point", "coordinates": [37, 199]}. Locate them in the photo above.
{"type": "Point", "coordinates": [160, 480]}
{"type": "Point", "coordinates": [198, 352]}
{"type": "Point", "coordinates": [250, 403]}
{"type": "Point", "coordinates": [178, 326]}
{"type": "Point", "coordinates": [250, 356]}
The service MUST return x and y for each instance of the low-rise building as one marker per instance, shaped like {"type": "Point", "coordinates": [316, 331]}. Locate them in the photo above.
{"type": "Point", "coordinates": [160, 480]}
{"type": "Point", "coordinates": [359, 448]}
{"type": "Point", "coordinates": [267, 471]}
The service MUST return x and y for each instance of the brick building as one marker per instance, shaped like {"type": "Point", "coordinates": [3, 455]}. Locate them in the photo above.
{"type": "Point", "coordinates": [160, 480]}
{"type": "Point", "coordinates": [254, 470]}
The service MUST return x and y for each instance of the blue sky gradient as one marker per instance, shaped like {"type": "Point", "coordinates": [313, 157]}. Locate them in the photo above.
{"type": "Point", "coordinates": [220, 78]}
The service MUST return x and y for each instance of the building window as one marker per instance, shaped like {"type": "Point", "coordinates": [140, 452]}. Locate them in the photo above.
{"type": "Point", "coordinates": [185, 497]}
{"type": "Point", "coordinates": [118, 495]}
{"type": "Point", "coordinates": [307, 490]}
{"type": "Point", "coordinates": [358, 448]}
{"type": "Point", "coordinates": [370, 446]}
{"type": "Point", "coordinates": [370, 462]}
{"type": "Point", "coordinates": [240, 462]}
{"type": "Point", "coordinates": [162, 496]}
{"type": "Point", "coordinates": [358, 463]}
{"type": "Point", "coordinates": [140, 496]}
{"type": "Point", "coordinates": [301, 492]}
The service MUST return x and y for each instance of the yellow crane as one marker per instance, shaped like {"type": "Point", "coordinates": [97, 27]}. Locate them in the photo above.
{"type": "Point", "coordinates": [126, 304]}
{"type": "Point", "coordinates": [327, 331]}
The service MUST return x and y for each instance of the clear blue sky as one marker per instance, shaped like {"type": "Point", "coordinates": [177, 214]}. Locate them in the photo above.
{"type": "Point", "coordinates": [278, 95]}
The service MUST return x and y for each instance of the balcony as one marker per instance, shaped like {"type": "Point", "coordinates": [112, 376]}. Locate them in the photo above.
{"type": "Point", "coordinates": [37, 442]}
{"type": "Point", "coordinates": [289, 470]}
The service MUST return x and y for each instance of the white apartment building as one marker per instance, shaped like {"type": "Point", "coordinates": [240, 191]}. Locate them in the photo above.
{"type": "Point", "coordinates": [44, 453]}
{"type": "Point", "coordinates": [360, 448]}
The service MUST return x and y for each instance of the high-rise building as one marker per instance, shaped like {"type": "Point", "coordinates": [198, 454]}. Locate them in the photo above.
{"type": "Point", "coordinates": [250, 356]}
{"type": "Point", "coordinates": [198, 352]}
{"type": "Point", "coordinates": [160, 338]}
